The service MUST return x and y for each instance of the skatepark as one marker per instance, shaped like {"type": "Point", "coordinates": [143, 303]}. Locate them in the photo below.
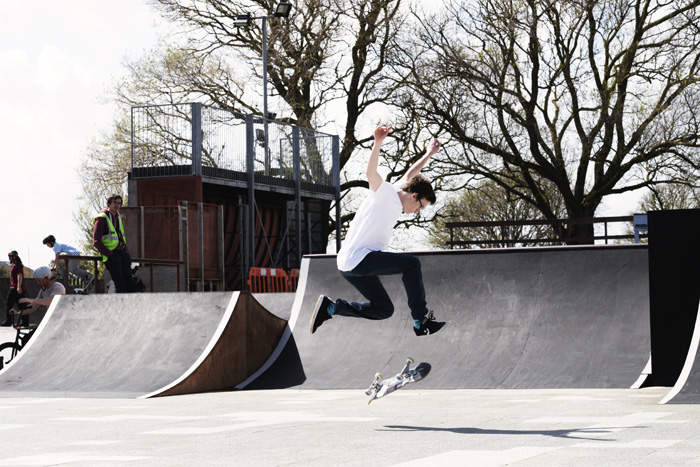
{"type": "Point", "coordinates": [542, 363]}
{"type": "Point", "coordinates": [514, 322]}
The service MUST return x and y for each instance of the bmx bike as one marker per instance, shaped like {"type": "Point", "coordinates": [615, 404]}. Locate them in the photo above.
{"type": "Point", "coordinates": [9, 350]}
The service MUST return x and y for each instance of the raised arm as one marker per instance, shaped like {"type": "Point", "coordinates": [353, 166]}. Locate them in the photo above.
{"type": "Point", "coordinates": [420, 163]}
{"type": "Point", "coordinates": [375, 180]}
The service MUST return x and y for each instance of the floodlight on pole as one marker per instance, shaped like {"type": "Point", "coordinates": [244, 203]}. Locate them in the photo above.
{"type": "Point", "coordinates": [281, 11]}
{"type": "Point", "coordinates": [242, 20]}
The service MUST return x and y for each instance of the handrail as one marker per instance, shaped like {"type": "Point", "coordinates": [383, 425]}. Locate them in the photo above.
{"type": "Point", "coordinates": [148, 262]}
{"type": "Point", "coordinates": [552, 222]}
{"type": "Point", "coordinates": [159, 262]}
{"type": "Point", "coordinates": [66, 269]}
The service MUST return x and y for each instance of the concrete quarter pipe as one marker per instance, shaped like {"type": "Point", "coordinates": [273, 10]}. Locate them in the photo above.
{"type": "Point", "coordinates": [141, 345]}
{"type": "Point", "coordinates": [571, 317]}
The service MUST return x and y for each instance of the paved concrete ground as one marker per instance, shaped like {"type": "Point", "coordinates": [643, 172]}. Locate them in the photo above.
{"type": "Point", "coordinates": [525, 428]}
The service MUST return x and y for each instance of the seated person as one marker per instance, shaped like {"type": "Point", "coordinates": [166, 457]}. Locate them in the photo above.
{"type": "Point", "coordinates": [49, 287]}
{"type": "Point", "coordinates": [73, 264]}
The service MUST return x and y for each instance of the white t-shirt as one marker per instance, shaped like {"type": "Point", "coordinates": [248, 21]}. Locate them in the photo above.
{"type": "Point", "coordinates": [54, 289]}
{"type": "Point", "coordinates": [373, 225]}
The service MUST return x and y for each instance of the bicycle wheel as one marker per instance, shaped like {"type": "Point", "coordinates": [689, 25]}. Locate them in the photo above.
{"type": "Point", "coordinates": [8, 351]}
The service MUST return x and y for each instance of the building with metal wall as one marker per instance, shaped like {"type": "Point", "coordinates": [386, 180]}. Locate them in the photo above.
{"type": "Point", "coordinates": [213, 189]}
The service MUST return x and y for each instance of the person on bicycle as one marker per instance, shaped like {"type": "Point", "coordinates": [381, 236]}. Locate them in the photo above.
{"type": "Point", "coordinates": [49, 289]}
{"type": "Point", "coordinates": [17, 286]}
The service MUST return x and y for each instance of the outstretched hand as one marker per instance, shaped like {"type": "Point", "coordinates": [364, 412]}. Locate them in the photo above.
{"type": "Point", "coordinates": [381, 133]}
{"type": "Point", "coordinates": [434, 147]}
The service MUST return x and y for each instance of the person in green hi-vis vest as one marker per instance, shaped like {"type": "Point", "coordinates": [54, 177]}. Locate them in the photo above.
{"type": "Point", "coordinates": [108, 238]}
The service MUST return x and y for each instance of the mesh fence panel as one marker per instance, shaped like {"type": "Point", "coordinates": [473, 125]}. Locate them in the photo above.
{"type": "Point", "coordinates": [162, 135]}
{"type": "Point", "coordinates": [162, 139]}
{"type": "Point", "coordinates": [223, 139]}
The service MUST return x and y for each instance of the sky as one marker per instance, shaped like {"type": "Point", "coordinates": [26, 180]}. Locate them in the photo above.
{"type": "Point", "coordinates": [57, 60]}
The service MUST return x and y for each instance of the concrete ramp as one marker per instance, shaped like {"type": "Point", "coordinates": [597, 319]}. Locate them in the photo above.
{"type": "Point", "coordinates": [143, 345]}
{"type": "Point", "coordinates": [565, 317]}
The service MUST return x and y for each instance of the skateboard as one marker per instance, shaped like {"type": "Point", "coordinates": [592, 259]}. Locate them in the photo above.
{"type": "Point", "coordinates": [380, 388]}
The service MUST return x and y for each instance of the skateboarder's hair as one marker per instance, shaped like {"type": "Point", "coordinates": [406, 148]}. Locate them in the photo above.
{"type": "Point", "coordinates": [422, 187]}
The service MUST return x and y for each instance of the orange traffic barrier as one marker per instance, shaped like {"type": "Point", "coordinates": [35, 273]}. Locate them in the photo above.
{"type": "Point", "coordinates": [293, 280]}
{"type": "Point", "coordinates": [267, 280]}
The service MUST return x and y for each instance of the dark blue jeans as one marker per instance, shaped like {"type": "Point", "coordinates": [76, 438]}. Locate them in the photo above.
{"type": "Point", "coordinates": [12, 298]}
{"type": "Point", "coordinates": [365, 278]}
{"type": "Point", "coordinates": [119, 266]}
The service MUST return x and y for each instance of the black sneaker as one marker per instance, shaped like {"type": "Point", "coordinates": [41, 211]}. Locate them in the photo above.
{"type": "Point", "coordinates": [320, 313]}
{"type": "Point", "coordinates": [429, 325]}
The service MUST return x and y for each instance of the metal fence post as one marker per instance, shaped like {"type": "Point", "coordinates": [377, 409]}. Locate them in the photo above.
{"type": "Point", "coordinates": [220, 230]}
{"type": "Point", "coordinates": [132, 140]}
{"type": "Point", "coordinates": [184, 214]}
{"type": "Point", "coordinates": [297, 188]}
{"type": "Point", "coordinates": [196, 139]}
{"type": "Point", "coordinates": [200, 243]}
{"type": "Point", "coordinates": [336, 184]}
{"type": "Point", "coordinates": [250, 171]}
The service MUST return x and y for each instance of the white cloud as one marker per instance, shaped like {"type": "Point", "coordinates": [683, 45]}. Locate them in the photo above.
{"type": "Point", "coordinates": [52, 70]}
{"type": "Point", "coordinates": [12, 60]}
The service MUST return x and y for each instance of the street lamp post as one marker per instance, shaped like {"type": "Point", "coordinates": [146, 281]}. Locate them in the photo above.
{"type": "Point", "coordinates": [282, 11]}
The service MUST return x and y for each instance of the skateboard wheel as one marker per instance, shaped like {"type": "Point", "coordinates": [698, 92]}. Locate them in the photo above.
{"type": "Point", "coordinates": [368, 393]}
{"type": "Point", "coordinates": [378, 376]}
{"type": "Point", "coordinates": [409, 360]}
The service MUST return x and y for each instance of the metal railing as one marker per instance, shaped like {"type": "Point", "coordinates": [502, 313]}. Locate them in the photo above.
{"type": "Point", "coordinates": [147, 263]}
{"type": "Point", "coordinates": [67, 280]}
{"type": "Point", "coordinates": [194, 139]}
{"type": "Point", "coordinates": [508, 240]}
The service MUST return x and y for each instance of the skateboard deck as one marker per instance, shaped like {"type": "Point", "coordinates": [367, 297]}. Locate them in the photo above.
{"type": "Point", "coordinates": [380, 388]}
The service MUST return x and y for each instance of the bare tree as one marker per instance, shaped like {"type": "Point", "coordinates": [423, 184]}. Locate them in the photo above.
{"type": "Point", "coordinates": [592, 97]}
{"type": "Point", "coordinates": [670, 197]}
{"type": "Point", "coordinates": [487, 201]}
{"type": "Point", "coordinates": [328, 53]}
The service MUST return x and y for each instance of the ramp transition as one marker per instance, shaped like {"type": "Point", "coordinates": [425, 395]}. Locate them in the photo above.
{"type": "Point", "coordinates": [565, 317]}
{"type": "Point", "coordinates": [687, 387]}
{"type": "Point", "coordinates": [143, 345]}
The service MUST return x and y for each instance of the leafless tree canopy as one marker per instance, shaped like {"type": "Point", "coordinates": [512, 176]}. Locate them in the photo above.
{"type": "Point", "coordinates": [326, 51]}
{"type": "Point", "coordinates": [554, 101]}
{"type": "Point", "coordinates": [593, 97]}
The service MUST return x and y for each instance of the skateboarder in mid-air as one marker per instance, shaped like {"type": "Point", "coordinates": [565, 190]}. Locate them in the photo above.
{"type": "Point", "coordinates": [363, 258]}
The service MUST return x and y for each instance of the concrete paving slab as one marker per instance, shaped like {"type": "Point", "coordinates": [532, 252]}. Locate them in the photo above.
{"type": "Point", "coordinates": [522, 428]}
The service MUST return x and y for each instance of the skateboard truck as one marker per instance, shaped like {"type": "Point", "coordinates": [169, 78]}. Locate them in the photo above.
{"type": "Point", "coordinates": [374, 387]}
{"type": "Point", "coordinates": [406, 372]}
